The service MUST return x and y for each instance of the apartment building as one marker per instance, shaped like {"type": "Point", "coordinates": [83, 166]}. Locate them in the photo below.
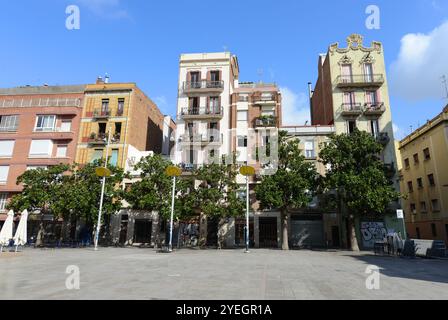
{"type": "Point", "coordinates": [38, 128]}
{"type": "Point", "coordinates": [424, 179]}
{"type": "Point", "coordinates": [313, 226]}
{"type": "Point", "coordinates": [352, 92]}
{"type": "Point", "coordinates": [217, 116]}
{"type": "Point", "coordinates": [135, 122]}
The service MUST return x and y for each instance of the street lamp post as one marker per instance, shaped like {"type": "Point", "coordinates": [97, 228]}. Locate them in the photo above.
{"type": "Point", "coordinates": [102, 172]}
{"type": "Point", "coordinates": [247, 171]}
{"type": "Point", "coordinates": [174, 172]}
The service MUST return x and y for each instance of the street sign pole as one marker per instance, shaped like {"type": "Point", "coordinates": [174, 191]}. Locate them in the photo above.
{"type": "Point", "coordinates": [247, 214]}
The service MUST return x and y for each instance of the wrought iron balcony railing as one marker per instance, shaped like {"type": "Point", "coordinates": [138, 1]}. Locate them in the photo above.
{"type": "Point", "coordinates": [203, 85]}
{"type": "Point", "coordinates": [360, 80]}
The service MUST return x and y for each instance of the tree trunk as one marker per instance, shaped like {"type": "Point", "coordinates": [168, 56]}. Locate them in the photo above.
{"type": "Point", "coordinates": [285, 225]}
{"type": "Point", "coordinates": [40, 233]}
{"type": "Point", "coordinates": [353, 245]}
{"type": "Point", "coordinates": [203, 231]}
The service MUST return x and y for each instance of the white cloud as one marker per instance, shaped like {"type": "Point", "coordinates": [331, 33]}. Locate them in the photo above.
{"type": "Point", "coordinates": [295, 107]}
{"type": "Point", "coordinates": [105, 8]}
{"type": "Point", "coordinates": [417, 72]}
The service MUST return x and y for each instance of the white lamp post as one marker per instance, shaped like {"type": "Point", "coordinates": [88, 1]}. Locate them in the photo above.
{"type": "Point", "coordinates": [102, 172]}
{"type": "Point", "coordinates": [174, 172]}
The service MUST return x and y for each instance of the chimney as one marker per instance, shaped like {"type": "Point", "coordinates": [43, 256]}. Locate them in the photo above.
{"type": "Point", "coordinates": [99, 80]}
{"type": "Point", "coordinates": [106, 78]}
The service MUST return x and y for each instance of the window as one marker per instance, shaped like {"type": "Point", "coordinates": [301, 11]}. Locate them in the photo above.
{"type": "Point", "coordinates": [410, 187]}
{"type": "Point", "coordinates": [431, 180]}
{"type": "Point", "coordinates": [242, 141]}
{"type": "Point", "coordinates": [433, 230]}
{"type": "Point", "coordinates": [374, 128]}
{"type": "Point", "coordinates": [9, 123]}
{"type": "Point", "coordinates": [194, 78]}
{"type": "Point", "coordinates": [117, 131]}
{"type": "Point", "coordinates": [61, 151]}
{"type": "Point", "coordinates": [309, 149]}
{"type": "Point", "coordinates": [97, 155]}
{"type": "Point", "coordinates": [346, 70]}
{"type": "Point", "coordinates": [214, 76]}
{"type": "Point", "coordinates": [4, 170]}
{"type": "Point", "coordinates": [406, 163]}
{"type": "Point", "coordinates": [371, 97]}
{"type": "Point", "coordinates": [66, 126]}
{"type": "Point", "coordinates": [368, 72]}
{"type": "Point", "coordinates": [427, 154]}
{"type": "Point", "coordinates": [416, 161]}
{"type": "Point", "coordinates": [45, 123]}
{"type": "Point", "coordinates": [423, 206]}
{"type": "Point", "coordinates": [242, 115]}
{"type": "Point", "coordinates": [3, 201]}
{"type": "Point", "coordinates": [420, 183]}
{"type": "Point", "coordinates": [351, 126]}
{"type": "Point", "coordinates": [349, 100]}
{"type": "Point", "coordinates": [104, 106]}
{"type": "Point", "coordinates": [413, 208]}
{"type": "Point", "coordinates": [6, 148]}
{"type": "Point", "coordinates": [214, 105]}
{"type": "Point", "coordinates": [435, 205]}
{"type": "Point", "coordinates": [114, 158]}
{"type": "Point", "coordinates": [120, 108]}
{"type": "Point", "coordinates": [41, 148]}
{"type": "Point", "coordinates": [243, 98]}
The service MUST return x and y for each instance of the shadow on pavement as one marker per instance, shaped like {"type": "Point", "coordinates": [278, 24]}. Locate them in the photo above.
{"type": "Point", "coordinates": [431, 270]}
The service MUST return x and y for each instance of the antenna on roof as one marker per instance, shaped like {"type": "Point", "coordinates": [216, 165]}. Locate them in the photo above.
{"type": "Point", "coordinates": [260, 73]}
{"type": "Point", "coordinates": [444, 82]}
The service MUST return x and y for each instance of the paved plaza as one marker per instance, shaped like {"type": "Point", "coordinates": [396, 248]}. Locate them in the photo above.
{"type": "Point", "coordinates": [117, 273]}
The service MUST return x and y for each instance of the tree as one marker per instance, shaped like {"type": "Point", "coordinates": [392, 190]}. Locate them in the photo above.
{"type": "Point", "coordinates": [68, 192]}
{"type": "Point", "coordinates": [216, 196]}
{"type": "Point", "coordinates": [292, 184]}
{"type": "Point", "coordinates": [40, 193]}
{"type": "Point", "coordinates": [79, 195]}
{"type": "Point", "coordinates": [358, 176]}
{"type": "Point", "coordinates": [154, 191]}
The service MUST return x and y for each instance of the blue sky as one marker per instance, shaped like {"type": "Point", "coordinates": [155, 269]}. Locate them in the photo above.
{"type": "Point", "coordinates": [140, 41]}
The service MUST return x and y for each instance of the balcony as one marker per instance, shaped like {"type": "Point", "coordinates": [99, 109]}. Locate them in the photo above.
{"type": "Point", "coordinates": [97, 139]}
{"type": "Point", "coordinates": [215, 113]}
{"type": "Point", "coordinates": [55, 134]}
{"type": "Point", "coordinates": [360, 80]}
{"type": "Point", "coordinates": [40, 102]}
{"type": "Point", "coordinates": [203, 86]}
{"type": "Point", "coordinates": [265, 122]}
{"type": "Point", "coordinates": [383, 138]}
{"type": "Point", "coordinates": [265, 98]}
{"type": "Point", "coordinates": [351, 109]}
{"type": "Point", "coordinates": [200, 140]}
{"type": "Point", "coordinates": [374, 109]}
{"type": "Point", "coordinates": [101, 114]}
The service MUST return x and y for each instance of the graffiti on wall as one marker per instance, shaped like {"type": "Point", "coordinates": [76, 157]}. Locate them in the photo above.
{"type": "Point", "coordinates": [371, 232]}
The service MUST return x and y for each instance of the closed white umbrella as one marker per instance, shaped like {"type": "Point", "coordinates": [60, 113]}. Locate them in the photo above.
{"type": "Point", "coordinates": [20, 237]}
{"type": "Point", "coordinates": [6, 233]}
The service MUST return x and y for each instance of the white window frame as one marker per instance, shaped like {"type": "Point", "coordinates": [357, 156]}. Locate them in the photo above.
{"type": "Point", "coordinates": [3, 200]}
{"type": "Point", "coordinates": [240, 112]}
{"type": "Point", "coordinates": [9, 123]}
{"type": "Point", "coordinates": [60, 147]}
{"type": "Point", "coordinates": [6, 147]}
{"type": "Point", "coordinates": [310, 152]}
{"type": "Point", "coordinates": [68, 125]}
{"type": "Point", "coordinates": [48, 153]}
{"type": "Point", "coordinates": [45, 128]}
{"type": "Point", "coordinates": [4, 180]}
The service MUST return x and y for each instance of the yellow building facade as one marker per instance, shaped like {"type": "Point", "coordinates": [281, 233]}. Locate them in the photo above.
{"type": "Point", "coordinates": [135, 123]}
{"type": "Point", "coordinates": [424, 179]}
